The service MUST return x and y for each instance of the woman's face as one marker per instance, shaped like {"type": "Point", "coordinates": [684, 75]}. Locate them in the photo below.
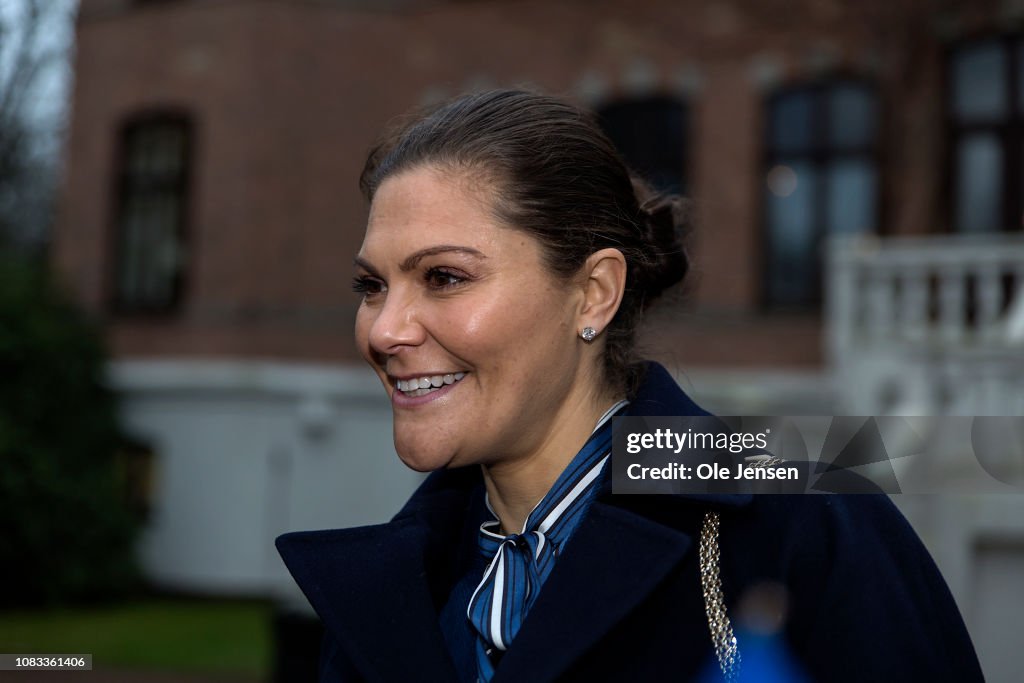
{"type": "Point", "coordinates": [474, 340]}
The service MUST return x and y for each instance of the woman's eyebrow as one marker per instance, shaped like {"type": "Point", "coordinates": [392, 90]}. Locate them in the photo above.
{"type": "Point", "coordinates": [411, 262]}
{"type": "Point", "coordinates": [413, 259]}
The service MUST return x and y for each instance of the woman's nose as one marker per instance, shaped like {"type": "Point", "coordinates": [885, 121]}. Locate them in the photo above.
{"type": "Point", "coordinates": [396, 325]}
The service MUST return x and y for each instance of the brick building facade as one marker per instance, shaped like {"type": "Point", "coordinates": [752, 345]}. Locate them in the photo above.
{"type": "Point", "coordinates": [276, 103]}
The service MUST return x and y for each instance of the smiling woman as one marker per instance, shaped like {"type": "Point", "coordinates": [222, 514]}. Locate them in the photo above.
{"type": "Point", "coordinates": [507, 260]}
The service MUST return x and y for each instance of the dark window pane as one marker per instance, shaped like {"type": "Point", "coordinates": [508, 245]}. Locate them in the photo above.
{"type": "Point", "coordinates": [979, 187]}
{"type": "Point", "coordinates": [851, 116]}
{"type": "Point", "coordinates": [156, 150]}
{"type": "Point", "coordinates": [150, 252]}
{"type": "Point", "coordinates": [822, 180]}
{"type": "Point", "coordinates": [850, 186]}
{"type": "Point", "coordinates": [651, 136]}
{"type": "Point", "coordinates": [150, 249]}
{"type": "Point", "coordinates": [791, 122]}
{"type": "Point", "coordinates": [792, 263]}
{"type": "Point", "coordinates": [979, 81]}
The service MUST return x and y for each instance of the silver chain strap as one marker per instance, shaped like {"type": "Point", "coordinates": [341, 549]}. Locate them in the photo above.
{"type": "Point", "coordinates": [727, 649]}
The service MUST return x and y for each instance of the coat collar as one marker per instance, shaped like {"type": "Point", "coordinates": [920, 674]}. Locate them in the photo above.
{"type": "Point", "coordinates": [369, 587]}
{"type": "Point", "coordinates": [378, 589]}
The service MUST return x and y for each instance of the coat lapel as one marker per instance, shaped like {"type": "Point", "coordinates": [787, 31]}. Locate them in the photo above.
{"type": "Point", "coordinates": [370, 589]}
{"type": "Point", "coordinates": [623, 549]}
{"type": "Point", "coordinates": [614, 560]}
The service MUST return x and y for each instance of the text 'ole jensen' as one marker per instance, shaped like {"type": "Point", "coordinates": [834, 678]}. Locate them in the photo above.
{"type": "Point", "coordinates": [711, 471]}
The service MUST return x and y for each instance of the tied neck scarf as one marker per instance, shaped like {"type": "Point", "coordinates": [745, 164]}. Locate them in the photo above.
{"type": "Point", "coordinates": [520, 563]}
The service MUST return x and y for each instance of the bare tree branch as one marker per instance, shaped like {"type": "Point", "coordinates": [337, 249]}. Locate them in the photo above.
{"type": "Point", "coordinates": [25, 67]}
{"type": "Point", "coordinates": [27, 56]}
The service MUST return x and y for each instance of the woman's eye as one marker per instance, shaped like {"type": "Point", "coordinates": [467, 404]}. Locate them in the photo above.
{"type": "Point", "coordinates": [442, 279]}
{"type": "Point", "coordinates": [367, 285]}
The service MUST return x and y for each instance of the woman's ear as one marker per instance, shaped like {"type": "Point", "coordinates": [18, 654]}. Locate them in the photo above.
{"type": "Point", "coordinates": [605, 273]}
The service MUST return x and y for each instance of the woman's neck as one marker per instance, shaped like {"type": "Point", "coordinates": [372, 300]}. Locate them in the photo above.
{"type": "Point", "coordinates": [515, 487]}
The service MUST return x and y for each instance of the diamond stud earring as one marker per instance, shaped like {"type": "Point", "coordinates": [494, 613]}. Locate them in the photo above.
{"type": "Point", "coordinates": [588, 334]}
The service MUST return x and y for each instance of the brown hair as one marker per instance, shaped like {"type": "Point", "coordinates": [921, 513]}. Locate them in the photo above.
{"type": "Point", "coordinates": [559, 178]}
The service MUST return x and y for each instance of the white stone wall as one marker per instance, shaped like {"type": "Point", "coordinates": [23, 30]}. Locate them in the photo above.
{"type": "Point", "coordinates": [248, 450]}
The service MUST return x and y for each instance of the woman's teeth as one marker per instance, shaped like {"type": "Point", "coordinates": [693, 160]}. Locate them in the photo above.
{"type": "Point", "coordinates": [424, 385]}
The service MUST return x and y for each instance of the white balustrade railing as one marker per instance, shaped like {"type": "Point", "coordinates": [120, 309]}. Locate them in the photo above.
{"type": "Point", "coordinates": [920, 323]}
{"type": "Point", "coordinates": [940, 291]}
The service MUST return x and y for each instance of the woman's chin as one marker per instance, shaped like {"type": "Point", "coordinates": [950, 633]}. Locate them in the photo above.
{"type": "Point", "coordinates": [423, 460]}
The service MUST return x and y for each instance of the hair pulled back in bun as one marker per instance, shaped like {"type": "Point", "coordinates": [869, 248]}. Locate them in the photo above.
{"type": "Point", "coordinates": [558, 177]}
{"type": "Point", "coordinates": [666, 220]}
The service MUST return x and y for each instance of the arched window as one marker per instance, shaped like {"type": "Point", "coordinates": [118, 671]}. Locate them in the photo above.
{"type": "Point", "coordinates": [152, 201]}
{"type": "Point", "coordinates": [986, 116]}
{"type": "Point", "coordinates": [820, 178]}
{"type": "Point", "coordinates": [650, 134]}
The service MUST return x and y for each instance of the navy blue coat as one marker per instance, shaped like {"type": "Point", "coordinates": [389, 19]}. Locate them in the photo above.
{"type": "Point", "coordinates": [624, 602]}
